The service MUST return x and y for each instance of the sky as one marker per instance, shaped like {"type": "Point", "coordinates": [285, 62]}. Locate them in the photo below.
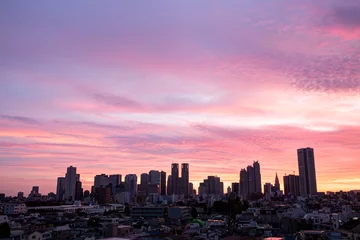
{"type": "Point", "coordinates": [130, 86]}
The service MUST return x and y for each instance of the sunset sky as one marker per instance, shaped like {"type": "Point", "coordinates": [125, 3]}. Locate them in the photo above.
{"type": "Point", "coordinates": [129, 86]}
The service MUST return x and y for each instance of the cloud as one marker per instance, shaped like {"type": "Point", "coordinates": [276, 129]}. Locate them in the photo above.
{"type": "Point", "coordinates": [25, 120]}
{"type": "Point", "coordinates": [347, 16]}
{"type": "Point", "coordinates": [116, 101]}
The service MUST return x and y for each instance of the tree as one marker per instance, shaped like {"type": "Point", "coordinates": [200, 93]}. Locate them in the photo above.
{"type": "Point", "coordinates": [193, 213]}
{"type": "Point", "coordinates": [5, 230]}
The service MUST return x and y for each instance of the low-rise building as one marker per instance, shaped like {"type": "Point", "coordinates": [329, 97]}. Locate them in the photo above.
{"type": "Point", "coordinates": [148, 212]}
{"type": "Point", "coordinates": [179, 213]}
{"type": "Point", "coordinates": [15, 208]}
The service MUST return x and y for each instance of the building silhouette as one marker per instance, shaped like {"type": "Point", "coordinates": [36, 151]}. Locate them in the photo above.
{"type": "Point", "coordinates": [257, 177]}
{"type": "Point", "coordinates": [307, 172]}
{"type": "Point", "coordinates": [70, 183]}
{"type": "Point", "coordinates": [169, 185]}
{"type": "Point", "coordinates": [291, 185]}
{"type": "Point", "coordinates": [250, 181]}
{"type": "Point", "coordinates": [115, 180]}
{"type": "Point", "coordinates": [244, 184]}
{"type": "Point", "coordinates": [277, 183]}
{"type": "Point", "coordinates": [101, 180]}
{"type": "Point", "coordinates": [175, 178]}
{"type": "Point", "coordinates": [60, 188]}
{"type": "Point", "coordinates": [163, 183]}
{"type": "Point", "coordinates": [235, 188]}
{"type": "Point", "coordinates": [131, 183]}
{"type": "Point", "coordinates": [185, 179]}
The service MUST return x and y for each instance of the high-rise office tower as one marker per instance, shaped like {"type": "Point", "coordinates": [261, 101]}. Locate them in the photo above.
{"type": "Point", "coordinates": [257, 177]}
{"type": "Point", "coordinates": [144, 179]}
{"type": "Point", "coordinates": [60, 188]}
{"type": "Point", "coordinates": [169, 185]}
{"type": "Point", "coordinates": [115, 180]}
{"type": "Point", "coordinates": [244, 184]}
{"type": "Point", "coordinates": [185, 179]}
{"type": "Point", "coordinates": [291, 185]}
{"type": "Point", "coordinates": [78, 191]}
{"type": "Point", "coordinates": [251, 179]}
{"type": "Point", "coordinates": [307, 173]}
{"type": "Point", "coordinates": [101, 180]}
{"type": "Point", "coordinates": [154, 177]}
{"type": "Point", "coordinates": [163, 183]}
{"type": "Point", "coordinates": [277, 183]}
{"type": "Point", "coordinates": [71, 178]}
{"type": "Point", "coordinates": [175, 178]}
{"type": "Point", "coordinates": [131, 183]}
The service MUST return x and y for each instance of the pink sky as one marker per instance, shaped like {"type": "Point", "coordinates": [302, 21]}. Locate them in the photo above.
{"type": "Point", "coordinates": [125, 88]}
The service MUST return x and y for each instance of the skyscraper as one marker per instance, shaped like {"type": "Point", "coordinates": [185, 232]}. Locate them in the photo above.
{"type": "Point", "coordinates": [175, 178]}
{"type": "Point", "coordinates": [144, 179]}
{"type": "Point", "coordinates": [277, 183]}
{"type": "Point", "coordinates": [154, 177]}
{"type": "Point", "coordinates": [251, 179]}
{"type": "Point", "coordinates": [78, 191]}
{"type": "Point", "coordinates": [169, 185]}
{"type": "Point", "coordinates": [185, 179]}
{"type": "Point", "coordinates": [244, 184]}
{"type": "Point", "coordinates": [257, 177]}
{"type": "Point", "coordinates": [291, 185]}
{"type": "Point", "coordinates": [307, 173]}
{"type": "Point", "coordinates": [60, 188]}
{"type": "Point", "coordinates": [71, 178]}
{"type": "Point", "coordinates": [115, 180]}
{"type": "Point", "coordinates": [101, 180]}
{"type": "Point", "coordinates": [163, 183]}
{"type": "Point", "coordinates": [131, 183]}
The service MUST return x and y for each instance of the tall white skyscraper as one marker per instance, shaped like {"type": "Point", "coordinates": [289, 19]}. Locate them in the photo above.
{"type": "Point", "coordinates": [307, 172]}
{"type": "Point", "coordinates": [70, 180]}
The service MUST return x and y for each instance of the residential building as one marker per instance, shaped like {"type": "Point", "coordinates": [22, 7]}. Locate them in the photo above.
{"type": "Point", "coordinates": [148, 212]}
{"type": "Point", "coordinates": [20, 195]}
{"type": "Point", "coordinates": [15, 208]}
{"type": "Point", "coordinates": [307, 172]}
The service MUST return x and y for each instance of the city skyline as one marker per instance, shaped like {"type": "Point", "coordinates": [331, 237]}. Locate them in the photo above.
{"type": "Point", "coordinates": [213, 84]}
